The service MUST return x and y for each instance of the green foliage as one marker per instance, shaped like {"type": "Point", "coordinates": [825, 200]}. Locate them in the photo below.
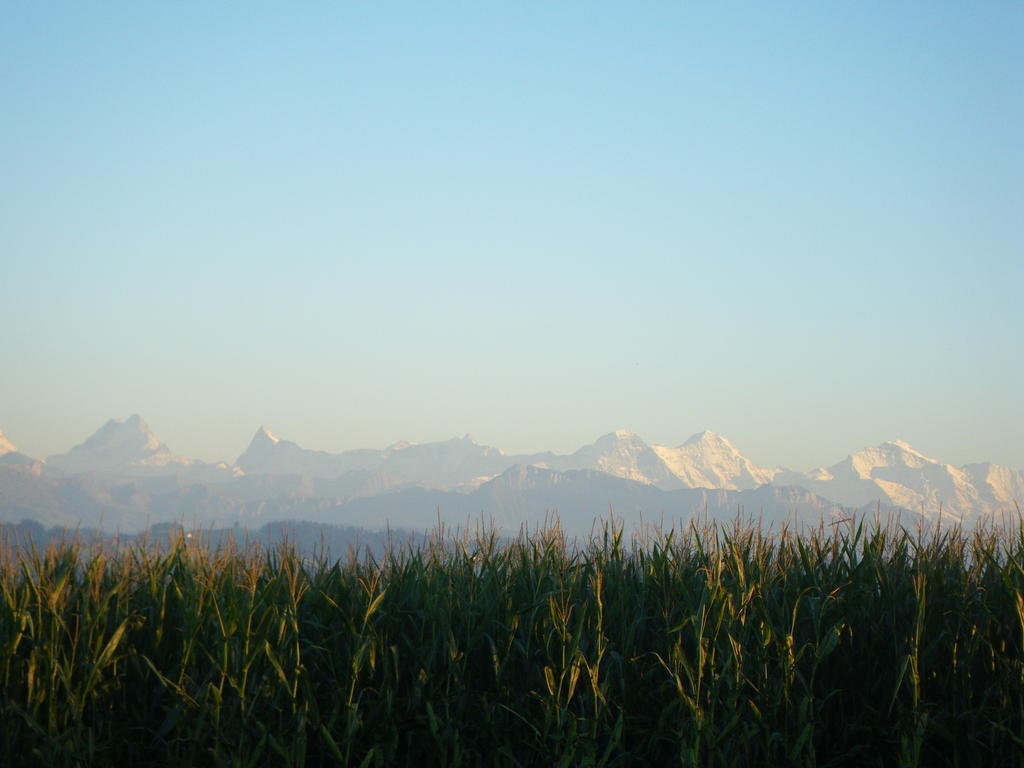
{"type": "Point", "coordinates": [866, 646]}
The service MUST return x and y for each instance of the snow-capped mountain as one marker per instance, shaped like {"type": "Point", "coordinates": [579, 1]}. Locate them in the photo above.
{"type": "Point", "coordinates": [708, 460]}
{"type": "Point", "coordinates": [896, 473]}
{"type": "Point", "coordinates": [461, 461]}
{"type": "Point", "coordinates": [620, 454]}
{"type": "Point", "coordinates": [893, 474]}
{"type": "Point", "coordinates": [120, 446]}
{"type": "Point", "coordinates": [1000, 487]}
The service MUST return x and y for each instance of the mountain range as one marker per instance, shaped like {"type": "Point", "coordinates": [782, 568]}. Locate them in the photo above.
{"type": "Point", "coordinates": [124, 476]}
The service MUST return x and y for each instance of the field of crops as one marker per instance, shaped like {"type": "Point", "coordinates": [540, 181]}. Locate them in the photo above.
{"type": "Point", "coordinates": [860, 646]}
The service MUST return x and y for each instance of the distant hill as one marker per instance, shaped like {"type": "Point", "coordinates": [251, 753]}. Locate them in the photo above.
{"type": "Point", "coordinates": [309, 539]}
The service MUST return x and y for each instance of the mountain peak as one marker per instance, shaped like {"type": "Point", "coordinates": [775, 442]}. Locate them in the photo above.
{"type": "Point", "coordinates": [902, 444]}
{"type": "Point", "coordinates": [625, 434]}
{"type": "Point", "coordinates": [619, 436]}
{"type": "Point", "coordinates": [264, 435]}
{"type": "Point", "coordinates": [888, 462]}
{"type": "Point", "coordinates": [707, 437]}
{"type": "Point", "coordinates": [708, 460]}
{"type": "Point", "coordinates": [116, 446]}
{"type": "Point", "coordinates": [621, 453]}
{"type": "Point", "coordinates": [133, 430]}
{"type": "Point", "coordinates": [899, 451]}
{"type": "Point", "coordinates": [621, 440]}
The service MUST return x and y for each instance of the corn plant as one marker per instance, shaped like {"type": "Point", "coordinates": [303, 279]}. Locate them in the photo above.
{"type": "Point", "coordinates": [864, 644]}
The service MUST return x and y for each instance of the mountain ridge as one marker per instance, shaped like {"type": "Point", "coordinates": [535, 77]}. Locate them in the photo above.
{"type": "Point", "coordinates": [892, 472]}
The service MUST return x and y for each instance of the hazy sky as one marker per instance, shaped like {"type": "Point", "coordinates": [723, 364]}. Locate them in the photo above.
{"type": "Point", "coordinates": [799, 225]}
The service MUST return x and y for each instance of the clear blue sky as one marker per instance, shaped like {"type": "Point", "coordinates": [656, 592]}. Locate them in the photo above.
{"type": "Point", "coordinates": [797, 224]}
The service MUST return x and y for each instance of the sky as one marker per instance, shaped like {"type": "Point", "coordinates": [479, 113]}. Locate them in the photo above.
{"type": "Point", "coordinates": [800, 225]}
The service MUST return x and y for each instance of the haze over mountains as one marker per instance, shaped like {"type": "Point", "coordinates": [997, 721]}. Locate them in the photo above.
{"type": "Point", "coordinates": [123, 476]}
{"type": "Point", "coordinates": [129, 447]}
{"type": "Point", "coordinates": [11, 456]}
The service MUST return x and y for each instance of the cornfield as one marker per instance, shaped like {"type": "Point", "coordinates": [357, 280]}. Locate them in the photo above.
{"type": "Point", "coordinates": [867, 645]}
